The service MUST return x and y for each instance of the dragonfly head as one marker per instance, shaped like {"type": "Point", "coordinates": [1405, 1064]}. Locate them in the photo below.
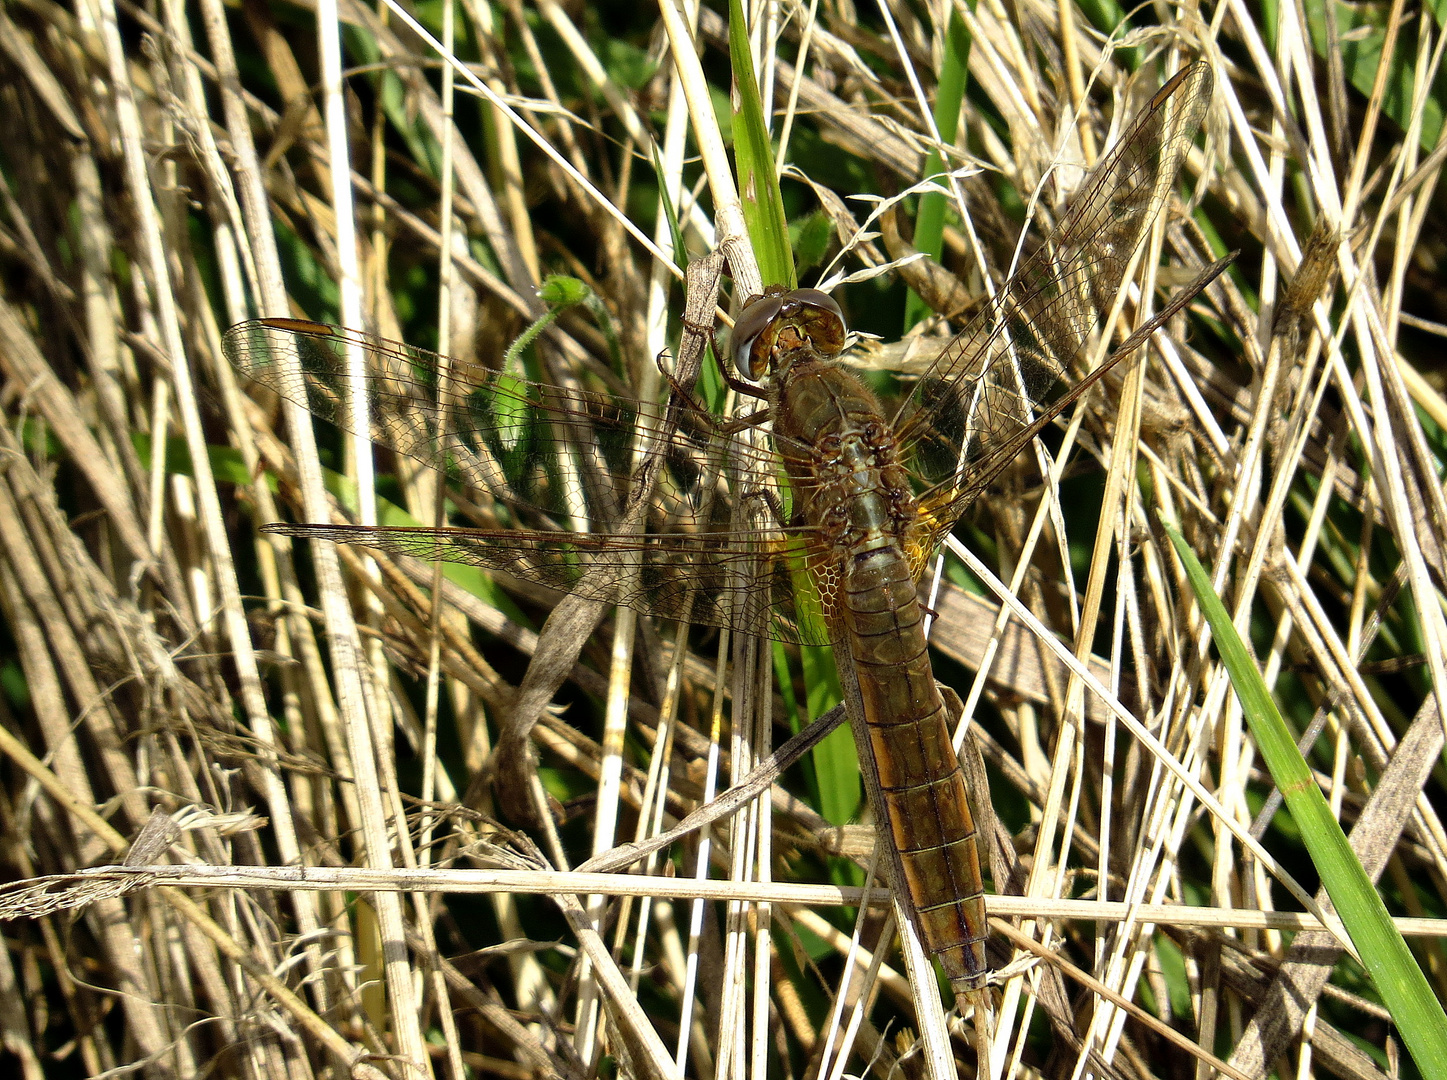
{"type": "Point", "coordinates": [782, 320]}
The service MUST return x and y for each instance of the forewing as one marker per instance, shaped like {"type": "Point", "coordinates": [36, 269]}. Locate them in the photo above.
{"type": "Point", "coordinates": [986, 394]}
{"type": "Point", "coordinates": [623, 501]}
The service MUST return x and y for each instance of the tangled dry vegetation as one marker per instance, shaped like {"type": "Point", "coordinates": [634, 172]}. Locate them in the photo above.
{"type": "Point", "coordinates": [257, 705]}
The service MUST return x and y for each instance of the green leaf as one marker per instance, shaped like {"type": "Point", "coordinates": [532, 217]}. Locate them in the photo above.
{"type": "Point", "coordinates": [227, 465]}
{"type": "Point", "coordinates": [1361, 31]}
{"type": "Point", "coordinates": [810, 239]}
{"type": "Point", "coordinates": [1398, 978]}
{"type": "Point", "coordinates": [561, 290]}
{"type": "Point", "coordinates": [836, 758]}
{"type": "Point", "coordinates": [929, 226]}
{"type": "Point", "coordinates": [627, 64]}
{"type": "Point", "coordinates": [754, 158]}
{"type": "Point", "coordinates": [836, 761]}
{"type": "Point", "coordinates": [670, 212]}
{"type": "Point", "coordinates": [509, 405]}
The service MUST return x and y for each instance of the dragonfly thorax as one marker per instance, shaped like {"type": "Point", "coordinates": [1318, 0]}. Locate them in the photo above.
{"type": "Point", "coordinates": [842, 456]}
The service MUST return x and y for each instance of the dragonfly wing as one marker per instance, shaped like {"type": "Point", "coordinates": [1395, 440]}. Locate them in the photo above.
{"type": "Point", "coordinates": [620, 500]}
{"type": "Point", "coordinates": [740, 580]}
{"type": "Point", "coordinates": [545, 455]}
{"type": "Point", "coordinates": [987, 392]}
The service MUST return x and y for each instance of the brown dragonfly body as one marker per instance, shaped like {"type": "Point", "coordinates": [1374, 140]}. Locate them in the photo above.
{"type": "Point", "coordinates": [858, 498]}
{"type": "Point", "coordinates": [819, 538]}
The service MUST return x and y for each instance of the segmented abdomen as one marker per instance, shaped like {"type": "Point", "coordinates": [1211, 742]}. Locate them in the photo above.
{"type": "Point", "coordinates": [920, 781]}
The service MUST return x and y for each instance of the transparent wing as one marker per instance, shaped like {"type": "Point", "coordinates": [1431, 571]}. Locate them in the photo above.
{"type": "Point", "coordinates": [1005, 375]}
{"type": "Point", "coordinates": [651, 506]}
{"type": "Point", "coordinates": [744, 580]}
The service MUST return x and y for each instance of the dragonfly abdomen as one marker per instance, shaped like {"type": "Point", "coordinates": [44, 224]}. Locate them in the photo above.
{"type": "Point", "coordinates": [843, 466]}
{"type": "Point", "coordinates": [921, 785]}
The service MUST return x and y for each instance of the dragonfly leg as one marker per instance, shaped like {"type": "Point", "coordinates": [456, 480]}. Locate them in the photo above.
{"type": "Point", "coordinates": [738, 423]}
{"type": "Point", "coordinates": [707, 419]}
{"type": "Point", "coordinates": [730, 377]}
{"type": "Point", "coordinates": [771, 500]}
{"type": "Point", "coordinates": [684, 399]}
{"type": "Point", "coordinates": [742, 386]}
{"type": "Point", "coordinates": [681, 393]}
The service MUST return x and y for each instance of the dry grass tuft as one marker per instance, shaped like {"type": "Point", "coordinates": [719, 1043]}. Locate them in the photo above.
{"type": "Point", "coordinates": [167, 171]}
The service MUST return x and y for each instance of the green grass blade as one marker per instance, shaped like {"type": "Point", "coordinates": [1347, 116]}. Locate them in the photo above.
{"type": "Point", "coordinates": [929, 225]}
{"type": "Point", "coordinates": [754, 159]}
{"type": "Point", "coordinates": [670, 212]}
{"type": "Point", "coordinates": [1363, 33]}
{"type": "Point", "coordinates": [836, 762]}
{"type": "Point", "coordinates": [1395, 972]}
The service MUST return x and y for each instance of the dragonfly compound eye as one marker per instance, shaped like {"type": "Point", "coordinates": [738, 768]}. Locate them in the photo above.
{"type": "Point", "coordinates": [813, 316]}
{"type": "Point", "coordinates": [755, 333]}
{"type": "Point", "coordinates": [818, 317]}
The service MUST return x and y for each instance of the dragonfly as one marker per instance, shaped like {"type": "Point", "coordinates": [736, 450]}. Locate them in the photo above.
{"type": "Point", "coordinates": [817, 534]}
